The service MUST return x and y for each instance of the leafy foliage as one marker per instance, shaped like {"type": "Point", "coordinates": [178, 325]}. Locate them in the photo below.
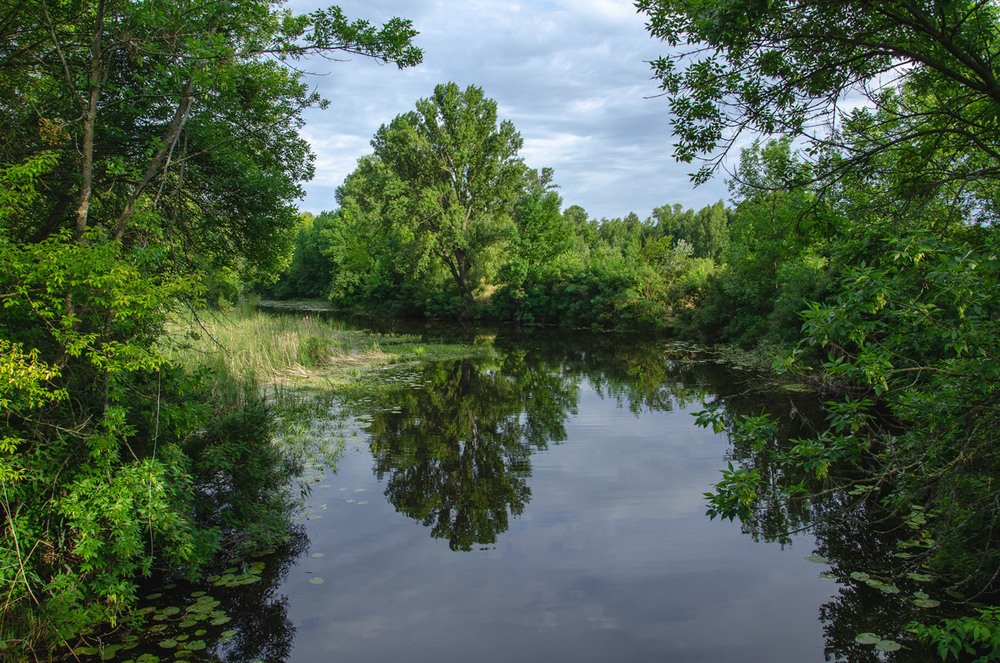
{"type": "Point", "coordinates": [149, 154]}
{"type": "Point", "coordinates": [881, 232]}
{"type": "Point", "coordinates": [458, 176]}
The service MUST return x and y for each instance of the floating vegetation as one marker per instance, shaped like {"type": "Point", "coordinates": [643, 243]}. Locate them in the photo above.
{"type": "Point", "coordinates": [885, 587]}
{"type": "Point", "coordinates": [817, 559]}
{"type": "Point", "coordinates": [888, 645]}
{"type": "Point", "coordinates": [184, 627]}
{"type": "Point", "coordinates": [316, 580]}
{"type": "Point", "coordinates": [877, 640]}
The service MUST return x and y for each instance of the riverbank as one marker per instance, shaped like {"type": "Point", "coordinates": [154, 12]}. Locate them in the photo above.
{"type": "Point", "coordinates": [291, 352]}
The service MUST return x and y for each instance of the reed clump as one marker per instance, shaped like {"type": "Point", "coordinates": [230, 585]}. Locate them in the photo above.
{"type": "Point", "coordinates": [267, 349]}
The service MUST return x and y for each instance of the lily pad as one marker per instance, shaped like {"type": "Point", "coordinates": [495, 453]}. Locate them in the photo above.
{"type": "Point", "coordinates": [926, 603]}
{"type": "Point", "coordinates": [919, 577]}
{"type": "Point", "coordinates": [867, 638]}
{"type": "Point", "coordinates": [317, 555]}
{"type": "Point", "coordinates": [827, 575]}
{"type": "Point", "coordinates": [882, 586]}
{"type": "Point", "coordinates": [860, 575]}
{"type": "Point", "coordinates": [147, 658]}
{"type": "Point", "coordinates": [219, 621]}
{"type": "Point", "coordinates": [154, 596]}
{"type": "Point", "coordinates": [818, 559]}
{"type": "Point", "coordinates": [169, 643]}
{"type": "Point", "coordinates": [316, 580]}
{"type": "Point", "coordinates": [888, 645]}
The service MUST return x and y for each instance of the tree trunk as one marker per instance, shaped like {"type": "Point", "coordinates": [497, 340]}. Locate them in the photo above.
{"type": "Point", "coordinates": [89, 124]}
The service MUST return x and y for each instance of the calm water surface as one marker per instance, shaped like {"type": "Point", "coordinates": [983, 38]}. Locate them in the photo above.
{"type": "Point", "coordinates": [546, 504]}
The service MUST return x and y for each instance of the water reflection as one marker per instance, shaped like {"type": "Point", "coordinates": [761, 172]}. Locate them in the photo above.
{"type": "Point", "coordinates": [613, 558]}
{"type": "Point", "coordinates": [874, 554]}
{"type": "Point", "coordinates": [456, 454]}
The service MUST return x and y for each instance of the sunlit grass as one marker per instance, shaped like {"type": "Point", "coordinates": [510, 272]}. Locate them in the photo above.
{"type": "Point", "coordinates": [290, 351]}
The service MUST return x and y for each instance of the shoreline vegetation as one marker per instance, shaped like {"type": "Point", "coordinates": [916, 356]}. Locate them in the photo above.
{"type": "Point", "coordinates": [250, 378]}
{"type": "Point", "coordinates": [301, 350]}
{"type": "Point", "coordinates": [150, 158]}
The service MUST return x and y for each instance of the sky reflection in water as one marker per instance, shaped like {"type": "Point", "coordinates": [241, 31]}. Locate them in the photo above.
{"type": "Point", "coordinates": [610, 556]}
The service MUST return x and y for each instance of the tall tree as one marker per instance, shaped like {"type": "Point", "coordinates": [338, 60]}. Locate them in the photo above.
{"type": "Point", "coordinates": [145, 145]}
{"type": "Point", "coordinates": [461, 177]}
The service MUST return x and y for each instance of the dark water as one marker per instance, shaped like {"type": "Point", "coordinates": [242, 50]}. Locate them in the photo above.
{"type": "Point", "coordinates": [546, 504]}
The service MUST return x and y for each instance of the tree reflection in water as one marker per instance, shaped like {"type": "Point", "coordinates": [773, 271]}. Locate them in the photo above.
{"type": "Point", "coordinates": [868, 550]}
{"type": "Point", "coordinates": [456, 454]}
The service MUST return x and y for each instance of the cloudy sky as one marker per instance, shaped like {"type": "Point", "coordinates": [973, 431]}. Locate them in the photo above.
{"type": "Point", "coordinates": [572, 75]}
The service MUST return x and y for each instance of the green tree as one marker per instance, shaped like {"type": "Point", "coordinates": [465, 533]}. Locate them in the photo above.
{"type": "Point", "coordinates": [149, 148]}
{"type": "Point", "coordinates": [911, 178]}
{"type": "Point", "coordinates": [785, 67]}
{"type": "Point", "coordinates": [539, 252]}
{"type": "Point", "coordinates": [707, 231]}
{"type": "Point", "coordinates": [460, 177]}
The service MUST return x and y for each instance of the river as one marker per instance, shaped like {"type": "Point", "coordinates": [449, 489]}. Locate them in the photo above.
{"type": "Point", "coordinates": [546, 503]}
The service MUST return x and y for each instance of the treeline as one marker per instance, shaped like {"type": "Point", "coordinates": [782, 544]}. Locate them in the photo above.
{"type": "Point", "coordinates": [554, 267]}
{"type": "Point", "coordinates": [738, 275]}
{"type": "Point", "coordinates": [410, 241]}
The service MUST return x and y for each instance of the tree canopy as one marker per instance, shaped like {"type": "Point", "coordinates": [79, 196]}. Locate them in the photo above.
{"type": "Point", "coordinates": [921, 74]}
{"type": "Point", "coordinates": [459, 174]}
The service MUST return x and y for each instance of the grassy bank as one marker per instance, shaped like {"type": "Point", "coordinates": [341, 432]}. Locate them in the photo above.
{"type": "Point", "coordinates": [285, 353]}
